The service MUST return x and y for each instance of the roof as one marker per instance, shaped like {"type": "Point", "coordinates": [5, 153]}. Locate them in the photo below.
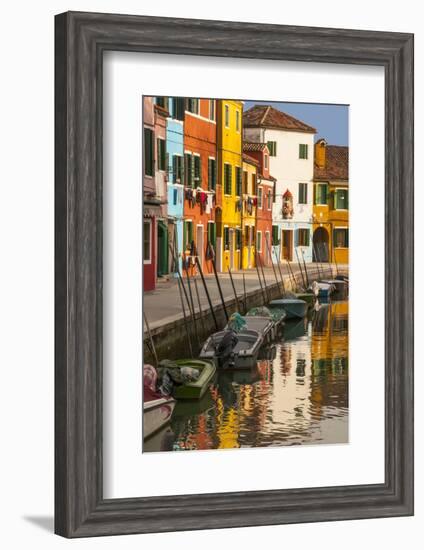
{"type": "Point", "coordinates": [250, 160]}
{"type": "Point", "coordinates": [254, 147]}
{"type": "Point", "coordinates": [337, 164]}
{"type": "Point", "coordinates": [266, 116]}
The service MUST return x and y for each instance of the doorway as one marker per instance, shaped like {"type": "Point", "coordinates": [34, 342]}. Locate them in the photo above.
{"type": "Point", "coordinates": [287, 244]}
{"type": "Point", "coordinates": [321, 248]}
{"type": "Point", "coordinates": [199, 244]}
{"type": "Point", "coordinates": [162, 266]}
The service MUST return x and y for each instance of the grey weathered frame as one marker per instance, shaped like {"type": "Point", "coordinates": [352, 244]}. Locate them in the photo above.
{"type": "Point", "coordinates": [80, 40]}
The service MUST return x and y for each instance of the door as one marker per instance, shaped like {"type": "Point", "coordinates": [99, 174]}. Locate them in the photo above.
{"type": "Point", "coordinates": [321, 248]}
{"type": "Point", "coordinates": [200, 247]}
{"type": "Point", "coordinates": [287, 244]}
{"type": "Point", "coordinates": [267, 248]}
{"type": "Point", "coordinates": [231, 248]}
{"type": "Point", "coordinates": [162, 266]}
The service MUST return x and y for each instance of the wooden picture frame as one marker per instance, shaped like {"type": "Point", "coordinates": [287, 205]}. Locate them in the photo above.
{"type": "Point", "coordinates": [81, 39]}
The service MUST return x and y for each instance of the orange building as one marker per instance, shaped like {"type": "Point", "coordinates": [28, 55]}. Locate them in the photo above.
{"type": "Point", "coordinates": [331, 203]}
{"type": "Point", "coordinates": [200, 182]}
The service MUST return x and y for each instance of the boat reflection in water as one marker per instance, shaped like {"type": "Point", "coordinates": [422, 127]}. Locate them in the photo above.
{"type": "Point", "coordinates": [297, 394]}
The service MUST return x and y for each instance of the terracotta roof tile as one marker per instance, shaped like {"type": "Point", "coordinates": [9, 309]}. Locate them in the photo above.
{"type": "Point", "coordinates": [251, 160]}
{"type": "Point", "coordinates": [266, 116]}
{"type": "Point", "coordinates": [252, 146]}
{"type": "Point", "coordinates": [337, 164]}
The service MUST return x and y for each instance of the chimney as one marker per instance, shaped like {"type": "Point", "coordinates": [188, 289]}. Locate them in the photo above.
{"type": "Point", "coordinates": [320, 152]}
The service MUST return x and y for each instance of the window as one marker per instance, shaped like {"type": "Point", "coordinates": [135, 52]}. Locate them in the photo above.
{"type": "Point", "coordinates": [237, 121]}
{"type": "Point", "coordinates": [193, 105]}
{"type": "Point", "coordinates": [245, 182]}
{"type": "Point", "coordinates": [246, 234]}
{"type": "Point", "coordinates": [211, 174]}
{"type": "Point", "coordinates": [272, 148]}
{"type": "Point", "coordinates": [259, 241]}
{"type": "Point", "coordinates": [197, 169]}
{"type": "Point", "coordinates": [147, 237]}
{"type": "Point", "coordinates": [177, 168]}
{"type": "Point", "coordinates": [161, 151]}
{"type": "Point", "coordinates": [148, 152]}
{"type": "Point", "coordinates": [226, 238]}
{"type": "Point", "coordinates": [212, 234]}
{"type": "Point", "coordinates": [275, 239]}
{"type": "Point", "coordinates": [303, 193]}
{"type": "Point", "coordinates": [227, 179]}
{"type": "Point", "coordinates": [174, 196]}
{"type": "Point", "coordinates": [341, 201]}
{"type": "Point", "coordinates": [178, 108]}
{"type": "Point", "coordinates": [341, 237]}
{"type": "Point", "coordinates": [238, 181]}
{"type": "Point", "coordinates": [321, 193]}
{"type": "Point", "coordinates": [303, 237]}
{"type": "Point", "coordinates": [269, 200]}
{"type": "Point", "coordinates": [259, 197]}
{"type": "Point", "coordinates": [253, 184]}
{"type": "Point", "coordinates": [227, 116]}
{"type": "Point", "coordinates": [238, 238]}
{"type": "Point", "coordinates": [212, 109]}
{"type": "Point", "coordinates": [188, 234]}
{"type": "Point", "coordinates": [162, 102]}
{"type": "Point", "coordinates": [266, 161]}
{"type": "Point", "coordinates": [303, 151]}
{"type": "Point", "coordinates": [189, 169]}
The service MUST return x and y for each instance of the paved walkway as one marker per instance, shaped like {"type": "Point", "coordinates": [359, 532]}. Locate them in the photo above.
{"type": "Point", "coordinates": [163, 304]}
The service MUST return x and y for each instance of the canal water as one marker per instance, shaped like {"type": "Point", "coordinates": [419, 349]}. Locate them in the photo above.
{"type": "Point", "coordinates": [300, 396]}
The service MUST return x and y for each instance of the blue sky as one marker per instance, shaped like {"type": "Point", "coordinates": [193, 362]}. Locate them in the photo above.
{"type": "Point", "coordinates": [330, 121]}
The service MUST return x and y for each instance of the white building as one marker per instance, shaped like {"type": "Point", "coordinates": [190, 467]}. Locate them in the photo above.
{"type": "Point", "coordinates": [291, 145]}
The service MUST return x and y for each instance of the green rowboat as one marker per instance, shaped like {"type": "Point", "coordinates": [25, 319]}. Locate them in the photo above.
{"type": "Point", "coordinates": [196, 389]}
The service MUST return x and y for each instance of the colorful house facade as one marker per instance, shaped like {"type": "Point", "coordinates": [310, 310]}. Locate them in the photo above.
{"type": "Point", "coordinates": [265, 199]}
{"type": "Point", "coordinates": [248, 211]}
{"type": "Point", "coordinates": [291, 149]}
{"type": "Point", "coordinates": [175, 178]}
{"type": "Point", "coordinates": [154, 188]}
{"type": "Point", "coordinates": [331, 203]}
{"type": "Point", "coordinates": [200, 182]}
{"type": "Point", "coordinates": [230, 166]}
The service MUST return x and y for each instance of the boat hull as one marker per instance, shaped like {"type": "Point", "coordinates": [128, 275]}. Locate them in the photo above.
{"type": "Point", "coordinates": [156, 414]}
{"type": "Point", "coordinates": [294, 308]}
{"type": "Point", "coordinates": [197, 389]}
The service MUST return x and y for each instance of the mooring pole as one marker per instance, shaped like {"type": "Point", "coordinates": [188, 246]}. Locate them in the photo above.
{"type": "Point", "coordinates": [263, 276]}
{"type": "Point", "coordinates": [306, 271]}
{"type": "Point", "coordinates": [199, 267]}
{"type": "Point", "coordinates": [259, 279]}
{"type": "Point", "coordinates": [200, 306]}
{"type": "Point", "coordinates": [193, 313]}
{"type": "Point", "coordinates": [272, 263]}
{"type": "Point", "coordinates": [234, 290]}
{"type": "Point", "coordinates": [151, 339]}
{"type": "Point", "coordinates": [244, 293]}
{"type": "Point", "coordinates": [218, 284]}
{"type": "Point", "coordinates": [185, 318]}
{"type": "Point", "coordinates": [300, 268]}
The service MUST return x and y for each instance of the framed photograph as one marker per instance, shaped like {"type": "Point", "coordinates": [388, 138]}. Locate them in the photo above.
{"type": "Point", "coordinates": [234, 274]}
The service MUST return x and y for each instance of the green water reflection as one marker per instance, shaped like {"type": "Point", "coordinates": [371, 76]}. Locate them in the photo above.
{"type": "Point", "coordinates": [299, 397]}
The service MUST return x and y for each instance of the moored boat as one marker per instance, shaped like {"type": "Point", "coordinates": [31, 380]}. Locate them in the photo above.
{"type": "Point", "coordinates": [157, 408]}
{"type": "Point", "coordinates": [276, 317]}
{"type": "Point", "coordinates": [294, 308]}
{"type": "Point", "coordinates": [194, 389]}
{"type": "Point", "coordinates": [339, 285]}
{"type": "Point", "coordinates": [322, 290]}
{"type": "Point", "coordinates": [231, 350]}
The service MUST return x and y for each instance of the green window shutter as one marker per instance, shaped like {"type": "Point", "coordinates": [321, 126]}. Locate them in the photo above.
{"type": "Point", "coordinates": [210, 183]}
{"type": "Point", "coordinates": [174, 168]}
{"type": "Point", "coordinates": [148, 152]}
{"type": "Point", "coordinates": [192, 170]}
{"type": "Point", "coordinates": [275, 240]}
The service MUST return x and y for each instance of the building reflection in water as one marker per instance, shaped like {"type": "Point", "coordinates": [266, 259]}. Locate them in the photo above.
{"type": "Point", "coordinates": [299, 397]}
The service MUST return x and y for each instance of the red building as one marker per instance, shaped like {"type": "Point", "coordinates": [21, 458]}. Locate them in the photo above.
{"type": "Point", "coordinates": [200, 182]}
{"type": "Point", "coordinates": [266, 197]}
{"type": "Point", "coordinates": [154, 188]}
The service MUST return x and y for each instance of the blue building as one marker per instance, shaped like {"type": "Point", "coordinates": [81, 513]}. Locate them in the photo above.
{"type": "Point", "coordinates": [175, 169]}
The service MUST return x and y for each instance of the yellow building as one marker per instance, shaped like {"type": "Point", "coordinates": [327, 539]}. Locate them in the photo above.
{"type": "Point", "coordinates": [248, 212]}
{"type": "Point", "coordinates": [229, 143]}
{"type": "Point", "coordinates": [331, 203]}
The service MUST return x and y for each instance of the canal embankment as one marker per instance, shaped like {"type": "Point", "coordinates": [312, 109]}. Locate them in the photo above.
{"type": "Point", "coordinates": [164, 314]}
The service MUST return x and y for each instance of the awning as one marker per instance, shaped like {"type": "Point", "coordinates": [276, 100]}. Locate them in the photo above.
{"type": "Point", "coordinates": [152, 211]}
